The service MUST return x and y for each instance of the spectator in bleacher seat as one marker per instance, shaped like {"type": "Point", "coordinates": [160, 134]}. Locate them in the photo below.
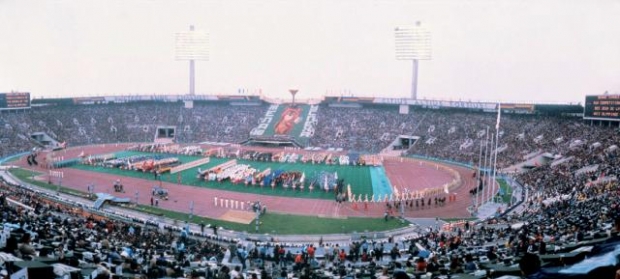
{"type": "Point", "coordinates": [530, 266]}
{"type": "Point", "coordinates": [25, 248]}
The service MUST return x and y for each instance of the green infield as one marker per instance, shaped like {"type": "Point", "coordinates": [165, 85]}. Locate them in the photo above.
{"type": "Point", "coordinates": [358, 177]}
{"type": "Point", "coordinates": [270, 223]}
{"type": "Point", "coordinates": [285, 224]}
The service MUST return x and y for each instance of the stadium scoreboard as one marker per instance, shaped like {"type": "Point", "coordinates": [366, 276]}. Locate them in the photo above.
{"type": "Point", "coordinates": [602, 107]}
{"type": "Point", "coordinates": [14, 100]}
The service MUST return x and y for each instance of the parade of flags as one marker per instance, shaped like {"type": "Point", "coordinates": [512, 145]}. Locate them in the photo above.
{"type": "Point", "coordinates": [488, 157]}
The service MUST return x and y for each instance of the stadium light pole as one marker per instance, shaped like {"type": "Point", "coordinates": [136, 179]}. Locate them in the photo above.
{"type": "Point", "coordinates": [413, 43]}
{"type": "Point", "coordinates": [192, 46]}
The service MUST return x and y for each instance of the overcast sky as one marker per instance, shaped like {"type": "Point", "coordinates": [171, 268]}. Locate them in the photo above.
{"type": "Point", "coordinates": [539, 51]}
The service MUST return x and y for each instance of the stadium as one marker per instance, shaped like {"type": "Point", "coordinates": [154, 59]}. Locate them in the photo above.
{"type": "Point", "coordinates": [385, 172]}
{"type": "Point", "coordinates": [412, 164]}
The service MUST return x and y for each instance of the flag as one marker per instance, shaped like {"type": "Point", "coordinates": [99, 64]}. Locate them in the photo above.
{"type": "Point", "coordinates": [499, 113]}
{"type": "Point", "coordinates": [325, 184]}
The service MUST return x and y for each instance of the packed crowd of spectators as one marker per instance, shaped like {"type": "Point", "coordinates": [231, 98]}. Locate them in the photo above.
{"type": "Point", "coordinates": [361, 129]}
{"type": "Point", "coordinates": [42, 228]}
{"type": "Point", "coordinates": [519, 135]}
{"type": "Point", "coordinates": [447, 134]}
{"type": "Point", "coordinates": [132, 122]}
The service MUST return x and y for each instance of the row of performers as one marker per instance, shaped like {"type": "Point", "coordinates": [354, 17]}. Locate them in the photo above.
{"type": "Point", "coordinates": [172, 148]}
{"type": "Point", "coordinates": [243, 174]}
{"type": "Point", "coordinates": [313, 158]}
{"type": "Point", "coordinates": [284, 157]}
{"type": "Point", "coordinates": [141, 163]}
{"type": "Point", "coordinates": [410, 196]}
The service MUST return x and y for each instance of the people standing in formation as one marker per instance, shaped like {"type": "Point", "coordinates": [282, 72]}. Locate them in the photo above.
{"type": "Point", "coordinates": [417, 203]}
{"type": "Point", "coordinates": [31, 159]}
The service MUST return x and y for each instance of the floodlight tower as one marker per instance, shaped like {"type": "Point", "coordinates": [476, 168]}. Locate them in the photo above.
{"type": "Point", "coordinates": [192, 46]}
{"type": "Point", "coordinates": [413, 43]}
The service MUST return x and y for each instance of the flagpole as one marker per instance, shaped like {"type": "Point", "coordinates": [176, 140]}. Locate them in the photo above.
{"type": "Point", "coordinates": [495, 160]}
{"type": "Point", "coordinates": [479, 176]}
{"type": "Point", "coordinates": [486, 145]}
{"type": "Point", "coordinates": [489, 172]}
{"type": "Point", "coordinates": [499, 113]}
